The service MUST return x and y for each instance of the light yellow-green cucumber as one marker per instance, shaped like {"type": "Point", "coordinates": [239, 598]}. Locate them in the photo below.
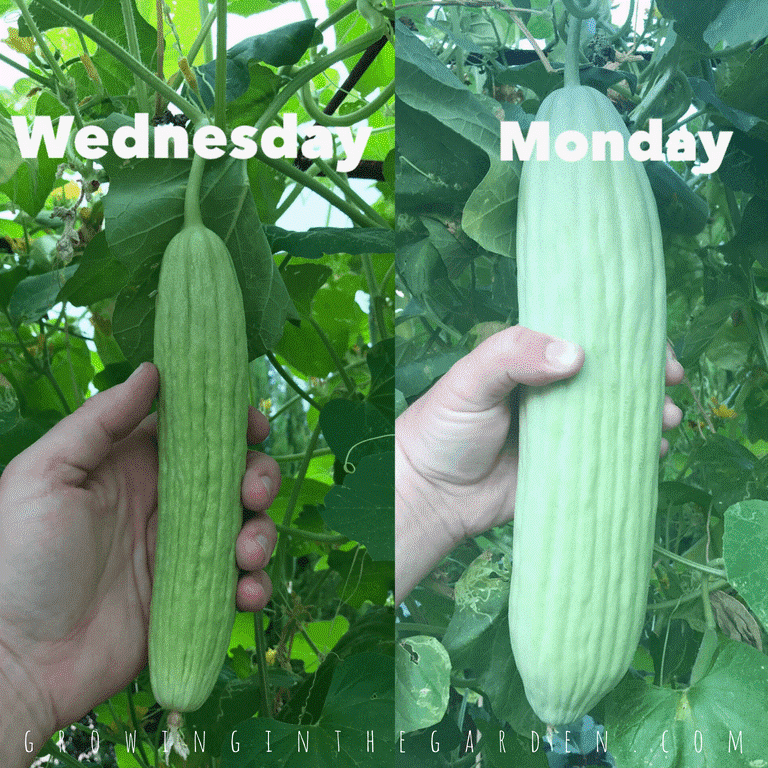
{"type": "Point", "coordinates": [201, 353]}
{"type": "Point", "coordinates": [591, 270]}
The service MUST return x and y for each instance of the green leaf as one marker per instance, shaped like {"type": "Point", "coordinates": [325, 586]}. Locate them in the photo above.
{"type": "Point", "coordinates": [231, 700]}
{"type": "Point", "coordinates": [33, 181]}
{"type": "Point", "coordinates": [502, 747]}
{"type": "Point", "coordinates": [717, 723]}
{"type": "Point", "coordinates": [35, 295]}
{"type": "Point", "coordinates": [280, 47]}
{"type": "Point", "coordinates": [381, 363]}
{"type": "Point", "coordinates": [99, 275]}
{"type": "Point", "coordinates": [748, 91]}
{"type": "Point", "coordinates": [691, 20]}
{"type": "Point", "coordinates": [436, 166]}
{"type": "Point", "coordinates": [417, 376]}
{"type": "Point", "coordinates": [490, 214]}
{"type": "Point", "coordinates": [262, 88]}
{"type": "Point", "coordinates": [337, 313]}
{"type": "Point", "coordinates": [704, 90]}
{"type": "Point", "coordinates": [364, 507]}
{"type": "Point", "coordinates": [727, 469]}
{"type": "Point", "coordinates": [477, 639]}
{"type": "Point", "coordinates": [426, 84]}
{"type": "Point", "coordinates": [354, 429]}
{"type": "Point", "coordinates": [320, 241]}
{"type": "Point", "coordinates": [362, 579]}
{"type": "Point", "coordinates": [303, 281]}
{"type": "Point", "coordinates": [739, 21]}
{"type": "Point", "coordinates": [704, 327]}
{"type": "Point", "coordinates": [145, 209]}
{"type": "Point", "coordinates": [108, 17]}
{"type": "Point", "coordinates": [423, 681]}
{"type": "Point", "coordinates": [10, 156]}
{"type": "Point", "coordinates": [359, 705]}
{"type": "Point", "coordinates": [45, 19]}
{"type": "Point", "coordinates": [324, 635]}
{"type": "Point", "coordinates": [746, 532]}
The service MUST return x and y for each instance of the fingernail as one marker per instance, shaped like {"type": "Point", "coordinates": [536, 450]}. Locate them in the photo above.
{"type": "Point", "coordinates": [136, 372]}
{"type": "Point", "coordinates": [561, 354]}
{"type": "Point", "coordinates": [264, 544]}
{"type": "Point", "coordinates": [267, 484]}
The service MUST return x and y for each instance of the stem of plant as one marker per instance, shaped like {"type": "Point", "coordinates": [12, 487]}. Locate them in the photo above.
{"type": "Point", "coordinates": [135, 724]}
{"type": "Point", "coordinates": [342, 183]}
{"type": "Point", "coordinates": [132, 37]}
{"type": "Point", "coordinates": [125, 58]}
{"type": "Point", "coordinates": [261, 666]}
{"type": "Point", "coordinates": [378, 324]}
{"type": "Point", "coordinates": [206, 40]}
{"type": "Point", "coordinates": [571, 71]}
{"type": "Point", "coordinates": [65, 91]}
{"type": "Point", "coordinates": [289, 380]}
{"type": "Point", "coordinates": [348, 383]}
{"type": "Point", "coordinates": [349, 7]}
{"type": "Point", "coordinates": [323, 538]}
{"type": "Point", "coordinates": [322, 118]}
{"type": "Point", "coordinates": [290, 170]}
{"type": "Point", "coordinates": [306, 74]}
{"type": "Point", "coordinates": [220, 98]}
{"type": "Point", "coordinates": [296, 456]}
{"type": "Point", "coordinates": [281, 551]}
{"type": "Point", "coordinates": [689, 563]}
{"type": "Point", "coordinates": [694, 595]}
{"type": "Point", "coordinates": [46, 82]}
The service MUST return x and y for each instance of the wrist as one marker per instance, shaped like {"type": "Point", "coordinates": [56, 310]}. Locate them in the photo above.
{"type": "Point", "coordinates": [23, 726]}
{"type": "Point", "coordinates": [423, 536]}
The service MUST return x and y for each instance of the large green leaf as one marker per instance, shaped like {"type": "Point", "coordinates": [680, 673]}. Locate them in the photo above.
{"type": "Point", "coordinates": [359, 706]}
{"type": "Point", "coordinates": [717, 723]}
{"type": "Point", "coordinates": [144, 210]}
{"type": "Point", "coordinates": [423, 681]}
{"type": "Point", "coordinates": [280, 47]}
{"type": "Point", "coordinates": [363, 508]}
{"type": "Point", "coordinates": [746, 532]}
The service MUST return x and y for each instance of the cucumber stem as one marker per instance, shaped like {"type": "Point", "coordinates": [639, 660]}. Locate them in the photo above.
{"type": "Point", "coordinates": [192, 213]}
{"type": "Point", "coordinates": [571, 71]}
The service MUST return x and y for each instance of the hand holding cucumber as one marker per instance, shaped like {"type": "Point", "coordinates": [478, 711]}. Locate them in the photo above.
{"type": "Point", "coordinates": [455, 471]}
{"type": "Point", "coordinates": [78, 516]}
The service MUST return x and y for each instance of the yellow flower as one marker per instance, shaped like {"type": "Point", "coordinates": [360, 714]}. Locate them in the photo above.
{"type": "Point", "coordinates": [25, 45]}
{"type": "Point", "coordinates": [723, 412]}
{"type": "Point", "coordinates": [270, 656]}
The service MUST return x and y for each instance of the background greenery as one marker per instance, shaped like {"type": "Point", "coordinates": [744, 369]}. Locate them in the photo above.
{"type": "Point", "coordinates": [78, 271]}
{"type": "Point", "coordinates": [700, 668]}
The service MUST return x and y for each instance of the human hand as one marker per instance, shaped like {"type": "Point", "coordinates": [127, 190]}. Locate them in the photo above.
{"type": "Point", "coordinates": [77, 536]}
{"type": "Point", "coordinates": [453, 479]}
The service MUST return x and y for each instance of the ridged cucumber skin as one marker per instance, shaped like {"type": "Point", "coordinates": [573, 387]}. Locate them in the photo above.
{"type": "Point", "coordinates": [201, 353]}
{"type": "Point", "coordinates": [590, 270]}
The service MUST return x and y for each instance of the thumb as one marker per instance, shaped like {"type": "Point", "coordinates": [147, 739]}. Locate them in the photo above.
{"type": "Point", "coordinates": [516, 355]}
{"type": "Point", "coordinates": [79, 442]}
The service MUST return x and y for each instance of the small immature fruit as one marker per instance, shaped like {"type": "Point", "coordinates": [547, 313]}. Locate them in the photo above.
{"type": "Point", "coordinates": [202, 356]}
{"type": "Point", "coordinates": [590, 270]}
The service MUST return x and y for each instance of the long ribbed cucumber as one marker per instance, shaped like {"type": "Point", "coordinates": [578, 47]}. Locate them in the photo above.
{"type": "Point", "coordinates": [590, 270]}
{"type": "Point", "coordinates": [202, 357]}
